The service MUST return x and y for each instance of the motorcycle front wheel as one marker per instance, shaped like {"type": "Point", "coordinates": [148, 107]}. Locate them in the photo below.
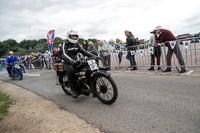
{"type": "Point", "coordinates": [106, 89]}
{"type": "Point", "coordinates": [20, 74]}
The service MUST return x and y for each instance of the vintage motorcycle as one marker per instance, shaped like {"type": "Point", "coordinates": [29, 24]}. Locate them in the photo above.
{"type": "Point", "coordinates": [16, 71]}
{"type": "Point", "coordinates": [95, 79]}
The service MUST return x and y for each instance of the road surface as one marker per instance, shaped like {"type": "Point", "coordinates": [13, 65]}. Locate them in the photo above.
{"type": "Point", "coordinates": [146, 103]}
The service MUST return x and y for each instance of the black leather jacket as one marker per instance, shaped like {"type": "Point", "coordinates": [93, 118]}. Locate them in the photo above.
{"type": "Point", "coordinates": [69, 51]}
{"type": "Point", "coordinates": [130, 42]}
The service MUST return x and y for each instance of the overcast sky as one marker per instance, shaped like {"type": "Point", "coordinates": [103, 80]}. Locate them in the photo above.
{"type": "Point", "coordinates": [101, 19]}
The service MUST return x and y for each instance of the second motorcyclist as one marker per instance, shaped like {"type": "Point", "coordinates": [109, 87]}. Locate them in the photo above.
{"type": "Point", "coordinates": [10, 60]}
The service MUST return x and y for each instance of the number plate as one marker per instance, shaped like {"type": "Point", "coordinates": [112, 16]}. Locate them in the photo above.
{"type": "Point", "coordinates": [93, 65]}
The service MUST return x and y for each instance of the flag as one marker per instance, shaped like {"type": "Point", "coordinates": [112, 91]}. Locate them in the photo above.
{"type": "Point", "coordinates": [124, 52]}
{"type": "Point", "coordinates": [117, 51]}
{"type": "Point", "coordinates": [111, 51]}
{"type": "Point", "coordinates": [186, 44]}
{"type": "Point", "coordinates": [141, 52]}
{"type": "Point", "coordinates": [151, 50]}
{"type": "Point", "coordinates": [172, 44]}
{"type": "Point", "coordinates": [50, 39]}
{"type": "Point", "coordinates": [132, 52]}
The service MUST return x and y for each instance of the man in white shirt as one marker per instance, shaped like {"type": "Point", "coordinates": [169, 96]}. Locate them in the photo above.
{"type": "Point", "coordinates": [156, 51]}
{"type": "Point", "coordinates": [104, 54]}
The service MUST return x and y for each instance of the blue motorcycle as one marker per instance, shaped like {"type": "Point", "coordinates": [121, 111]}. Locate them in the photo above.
{"type": "Point", "coordinates": [16, 71]}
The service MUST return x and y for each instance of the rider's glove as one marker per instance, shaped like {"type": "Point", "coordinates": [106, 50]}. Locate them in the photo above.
{"type": "Point", "coordinates": [96, 57]}
{"type": "Point", "coordinates": [76, 62]}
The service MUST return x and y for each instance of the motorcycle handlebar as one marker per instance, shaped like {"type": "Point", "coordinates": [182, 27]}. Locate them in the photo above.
{"type": "Point", "coordinates": [12, 63]}
{"type": "Point", "coordinates": [95, 58]}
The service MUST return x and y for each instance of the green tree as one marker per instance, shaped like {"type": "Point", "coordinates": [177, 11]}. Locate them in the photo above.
{"type": "Point", "coordinates": [57, 41]}
{"type": "Point", "coordinates": [81, 40]}
{"type": "Point", "coordinates": [27, 46]}
{"type": "Point", "coordinates": [9, 44]}
{"type": "Point", "coordinates": [3, 49]}
{"type": "Point", "coordinates": [21, 52]}
{"type": "Point", "coordinates": [111, 42]}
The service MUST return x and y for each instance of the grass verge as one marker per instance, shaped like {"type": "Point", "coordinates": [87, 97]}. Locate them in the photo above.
{"type": "Point", "coordinates": [5, 102]}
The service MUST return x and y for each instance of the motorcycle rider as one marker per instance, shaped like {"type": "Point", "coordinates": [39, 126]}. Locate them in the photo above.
{"type": "Point", "coordinates": [69, 51]}
{"type": "Point", "coordinates": [10, 60]}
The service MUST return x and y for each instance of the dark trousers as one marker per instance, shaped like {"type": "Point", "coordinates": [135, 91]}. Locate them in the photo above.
{"type": "Point", "coordinates": [8, 69]}
{"type": "Point", "coordinates": [157, 54]}
{"type": "Point", "coordinates": [178, 54]}
{"type": "Point", "coordinates": [29, 64]}
{"type": "Point", "coordinates": [72, 78]}
{"type": "Point", "coordinates": [40, 63]}
{"type": "Point", "coordinates": [25, 64]}
{"type": "Point", "coordinates": [106, 61]}
{"type": "Point", "coordinates": [120, 57]}
{"type": "Point", "coordinates": [37, 64]}
{"type": "Point", "coordinates": [131, 59]}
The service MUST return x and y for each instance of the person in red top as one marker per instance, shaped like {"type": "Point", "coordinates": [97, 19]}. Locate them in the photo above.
{"type": "Point", "coordinates": [163, 36]}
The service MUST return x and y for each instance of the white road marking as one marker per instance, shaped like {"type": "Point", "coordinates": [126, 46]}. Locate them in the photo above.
{"type": "Point", "coordinates": [32, 75]}
{"type": "Point", "coordinates": [188, 73]}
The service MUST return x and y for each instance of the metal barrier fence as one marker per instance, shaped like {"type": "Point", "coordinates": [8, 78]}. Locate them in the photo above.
{"type": "Point", "coordinates": [171, 52]}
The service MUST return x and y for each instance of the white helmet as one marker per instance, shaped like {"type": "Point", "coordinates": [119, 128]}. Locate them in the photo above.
{"type": "Point", "coordinates": [11, 52]}
{"type": "Point", "coordinates": [70, 33]}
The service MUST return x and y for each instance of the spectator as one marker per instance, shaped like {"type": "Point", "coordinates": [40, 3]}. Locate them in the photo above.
{"type": "Point", "coordinates": [41, 60]}
{"type": "Point", "coordinates": [85, 45]}
{"type": "Point", "coordinates": [2, 65]}
{"type": "Point", "coordinates": [104, 54]}
{"type": "Point", "coordinates": [35, 60]}
{"type": "Point", "coordinates": [156, 51]}
{"type": "Point", "coordinates": [137, 41]}
{"type": "Point", "coordinates": [28, 62]}
{"type": "Point", "coordinates": [47, 58]}
{"type": "Point", "coordinates": [118, 47]}
{"type": "Point", "coordinates": [55, 55]}
{"type": "Point", "coordinates": [131, 46]}
{"type": "Point", "coordinates": [164, 35]}
{"type": "Point", "coordinates": [91, 48]}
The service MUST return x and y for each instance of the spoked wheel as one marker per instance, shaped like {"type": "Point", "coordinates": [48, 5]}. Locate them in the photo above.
{"type": "Point", "coordinates": [106, 90]}
{"type": "Point", "coordinates": [64, 84]}
{"type": "Point", "coordinates": [20, 74]}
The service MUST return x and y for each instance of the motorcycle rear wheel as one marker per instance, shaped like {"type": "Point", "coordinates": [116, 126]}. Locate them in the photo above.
{"type": "Point", "coordinates": [63, 84]}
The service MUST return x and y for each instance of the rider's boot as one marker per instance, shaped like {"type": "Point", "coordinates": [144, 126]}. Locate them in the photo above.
{"type": "Point", "coordinates": [9, 73]}
{"type": "Point", "coordinates": [85, 90]}
{"type": "Point", "coordinates": [74, 91]}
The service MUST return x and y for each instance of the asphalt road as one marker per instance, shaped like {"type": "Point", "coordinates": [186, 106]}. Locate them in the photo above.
{"type": "Point", "coordinates": [147, 103]}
